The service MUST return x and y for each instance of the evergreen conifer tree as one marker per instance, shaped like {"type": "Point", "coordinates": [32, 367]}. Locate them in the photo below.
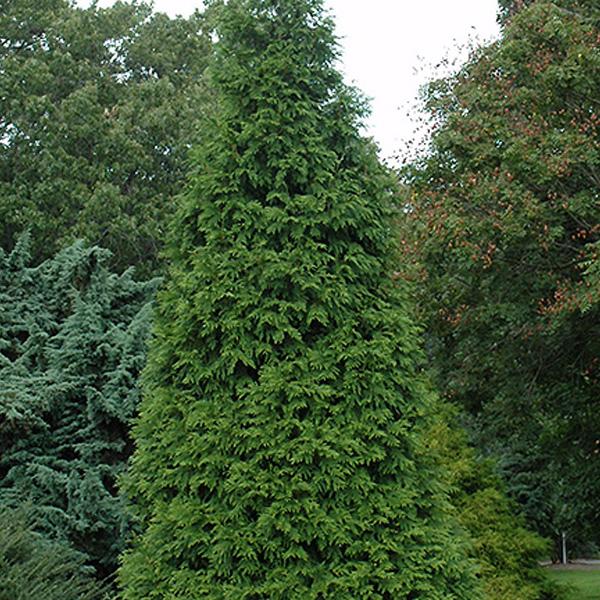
{"type": "Point", "coordinates": [281, 449]}
{"type": "Point", "coordinates": [72, 342]}
{"type": "Point", "coordinates": [508, 555]}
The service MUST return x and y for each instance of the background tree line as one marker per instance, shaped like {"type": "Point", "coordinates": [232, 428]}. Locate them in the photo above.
{"type": "Point", "coordinates": [502, 230]}
{"type": "Point", "coordinates": [99, 108]}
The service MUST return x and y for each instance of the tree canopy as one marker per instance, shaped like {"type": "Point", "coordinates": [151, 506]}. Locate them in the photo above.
{"type": "Point", "coordinates": [502, 221]}
{"type": "Point", "coordinates": [580, 8]}
{"type": "Point", "coordinates": [98, 108]}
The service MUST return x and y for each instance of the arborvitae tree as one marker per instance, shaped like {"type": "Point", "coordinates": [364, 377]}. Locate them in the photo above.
{"type": "Point", "coordinates": [98, 108]}
{"type": "Point", "coordinates": [280, 448]}
{"type": "Point", "coordinates": [504, 219]}
{"type": "Point", "coordinates": [72, 342]}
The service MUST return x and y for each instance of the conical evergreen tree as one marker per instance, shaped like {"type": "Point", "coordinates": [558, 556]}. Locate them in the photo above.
{"type": "Point", "coordinates": [507, 553]}
{"type": "Point", "coordinates": [281, 449]}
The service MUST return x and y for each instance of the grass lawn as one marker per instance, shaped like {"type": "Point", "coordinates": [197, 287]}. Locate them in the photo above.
{"type": "Point", "coordinates": [582, 584]}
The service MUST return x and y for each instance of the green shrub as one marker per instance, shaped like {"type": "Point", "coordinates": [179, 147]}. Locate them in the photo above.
{"type": "Point", "coordinates": [33, 568]}
{"type": "Point", "coordinates": [507, 552]}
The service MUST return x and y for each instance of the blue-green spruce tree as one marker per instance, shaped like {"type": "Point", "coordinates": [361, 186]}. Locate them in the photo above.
{"type": "Point", "coordinates": [281, 447]}
{"type": "Point", "coordinates": [72, 342]}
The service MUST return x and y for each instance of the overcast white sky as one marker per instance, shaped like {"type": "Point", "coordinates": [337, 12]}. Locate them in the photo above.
{"type": "Point", "coordinates": [386, 44]}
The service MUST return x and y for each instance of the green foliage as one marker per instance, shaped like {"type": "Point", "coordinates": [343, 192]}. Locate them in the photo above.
{"type": "Point", "coordinates": [503, 227]}
{"type": "Point", "coordinates": [281, 449]}
{"type": "Point", "coordinates": [508, 554]}
{"type": "Point", "coordinates": [580, 8]}
{"type": "Point", "coordinates": [98, 108]}
{"type": "Point", "coordinates": [72, 342]}
{"type": "Point", "coordinates": [32, 567]}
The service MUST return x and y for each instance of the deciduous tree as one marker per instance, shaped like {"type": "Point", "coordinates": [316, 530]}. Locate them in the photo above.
{"type": "Point", "coordinates": [97, 111]}
{"type": "Point", "coordinates": [503, 219]}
